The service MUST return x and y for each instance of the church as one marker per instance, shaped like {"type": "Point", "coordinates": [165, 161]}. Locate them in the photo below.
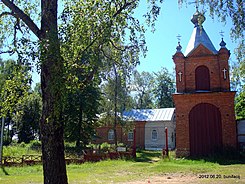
{"type": "Point", "coordinates": [205, 115]}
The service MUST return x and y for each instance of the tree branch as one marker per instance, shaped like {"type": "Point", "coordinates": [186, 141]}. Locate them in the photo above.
{"type": "Point", "coordinates": [126, 4]}
{"type": "Point", "coordinates": [6, 52]}
{"type": "Point", "coordinates": [90, 76]}
{"type": "Point", "coordinates": [24, 17]}
{"type": "Point", "coordinates": [124, 48]}
{"type": "Point", "coordinates": [116, 47]}
{"type": "Point", "coordinates": [6, 13]}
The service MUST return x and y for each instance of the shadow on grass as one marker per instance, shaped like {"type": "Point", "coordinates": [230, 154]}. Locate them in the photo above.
{"type": "Point", "coordinates": [147, 156]}
{"type": "Point", "coordinates": [219, 160]}
{"type": "Point", "coordinates": [226, 157]}
{"type": "Point", "coordinates": [4, 171]}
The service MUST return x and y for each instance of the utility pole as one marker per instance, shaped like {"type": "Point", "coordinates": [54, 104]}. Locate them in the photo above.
{"type": "Point", "coordinates": [1, 141]}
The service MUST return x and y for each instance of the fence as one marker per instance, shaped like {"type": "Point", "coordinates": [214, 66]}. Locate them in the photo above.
{"type": "Point", "coordinates": [24, 160]}
{"type": "Point", "coordinates": [90, 156]}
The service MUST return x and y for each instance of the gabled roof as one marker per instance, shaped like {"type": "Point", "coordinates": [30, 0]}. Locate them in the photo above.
{"type": "Point", "coordinates": [199, 35]}
{"type": "Point", "coordinates": [164, 114]}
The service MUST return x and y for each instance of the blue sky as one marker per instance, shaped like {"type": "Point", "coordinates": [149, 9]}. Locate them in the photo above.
{"type": "Point", "coordinates": [172, 21]}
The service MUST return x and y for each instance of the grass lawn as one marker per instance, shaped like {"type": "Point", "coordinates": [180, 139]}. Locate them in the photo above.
{"type": "Point", "coordinates": [148, 165]}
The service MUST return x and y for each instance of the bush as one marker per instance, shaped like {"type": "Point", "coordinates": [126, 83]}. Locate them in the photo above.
{"type": "Point", "coordinates": [35, 145]}
{"type": "Point", "coordinates": [22, 145]}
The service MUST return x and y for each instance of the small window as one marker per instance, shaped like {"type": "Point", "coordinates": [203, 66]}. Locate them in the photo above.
{"type": "Point", "coordinates": [111, 135]}
{"type": "Point", "coordinates": [154, 135]}
{"type": "Point", "coordinates": [130, 136]}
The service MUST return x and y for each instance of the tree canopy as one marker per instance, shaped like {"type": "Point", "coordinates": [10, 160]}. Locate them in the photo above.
{"type": "Point", "coordinates": [79, 41]}
{"type": "Point", "coordinates": [76, 46]}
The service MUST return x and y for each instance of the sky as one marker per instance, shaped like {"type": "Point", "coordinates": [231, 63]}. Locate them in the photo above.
{"type": "Point", "coordinates": [174, 21]}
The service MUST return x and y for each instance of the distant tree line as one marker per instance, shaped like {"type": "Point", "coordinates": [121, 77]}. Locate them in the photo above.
{"type": "Point", "coordinates": [22, 119]}
{"type": "Point", "coordinates": [118, 91]}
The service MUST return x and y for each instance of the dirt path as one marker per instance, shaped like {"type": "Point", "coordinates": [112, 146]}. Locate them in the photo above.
{"type": "Point", "coordinates": [184, 178]}
{"type": "Point", "coordinates": [167, 178]}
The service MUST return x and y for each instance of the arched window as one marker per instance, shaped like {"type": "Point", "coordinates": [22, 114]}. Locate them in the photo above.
{"type": "Point", "coordinates": [130, 136]}
{"type": "Point", "coordinates": [154, 135]}
{"type": "Point", "coordinates": [111, 135]}
{"type": "Point", "coordinates": [202, 78]}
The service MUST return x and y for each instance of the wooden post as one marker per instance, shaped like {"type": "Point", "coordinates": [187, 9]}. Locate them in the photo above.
{"type": "Point", "coordinates": [166, 143]}
{"type": "Point", "coordinates": [1, 141]}
{"type": "Point", "coordinates": [134, 145]}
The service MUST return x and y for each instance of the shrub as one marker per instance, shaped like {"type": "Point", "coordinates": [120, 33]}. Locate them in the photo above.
{"type": "Point", "coordinates": [22, 145]}
{"type": "Point", "coordinates": [35, 145]}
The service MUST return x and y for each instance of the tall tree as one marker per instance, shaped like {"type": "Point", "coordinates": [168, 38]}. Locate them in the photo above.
{"type": "Point", "coordinates": [15, 86]}
{"type": "Point", "coordinates": [28, 117]}
{"type": "Point", "coordinates": [240, 105]}
{"type": "Point", "coordinates": [112, 20]}
{"type": "Point", "coordinates": [142, 86]}
{"type": "Point", "coordinates": [115, 98]}
{"type": "Point", "coordinates": [163, 88]}
{"type": "Point", "coordinates": [109, 21]}
{"type": "Point", "coordinates": [80, 114]}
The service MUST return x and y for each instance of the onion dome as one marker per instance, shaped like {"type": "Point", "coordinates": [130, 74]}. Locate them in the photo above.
{"type": "Point", "coordinates": [222, 44]}
{"type": "Point", "coordinates": [199, 35]}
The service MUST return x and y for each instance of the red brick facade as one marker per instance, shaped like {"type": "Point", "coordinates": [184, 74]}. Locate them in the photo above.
{"type": "Point", "coordinates": [188, 97]}
{"type": "Point", "coordinates": [122, 135]}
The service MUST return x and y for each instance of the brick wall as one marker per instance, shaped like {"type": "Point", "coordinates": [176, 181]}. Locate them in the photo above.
{"type": "Point", "coordinates": [219, 95]}
{"type": "Point", "coordinates": [215, 64]}
{"type": "Point", "coordinates": [184, 103]}
{"type": "Point", "coordinates": [122, 135]}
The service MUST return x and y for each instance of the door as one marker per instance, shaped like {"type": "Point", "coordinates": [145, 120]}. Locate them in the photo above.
{"type": "Point", "coordinates": [205, 129]}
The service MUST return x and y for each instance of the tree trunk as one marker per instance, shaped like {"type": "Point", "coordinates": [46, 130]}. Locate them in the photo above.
{"type": "Point", "coordinates": [115, 105]}
{"type": "Point", "coordinates": [51, 126]}
{"type": "Point", "coordinates": [79, 127]}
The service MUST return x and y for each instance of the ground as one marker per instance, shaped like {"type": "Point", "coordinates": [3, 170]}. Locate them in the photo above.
{"type": "Point", "coordinates": [178, 178]}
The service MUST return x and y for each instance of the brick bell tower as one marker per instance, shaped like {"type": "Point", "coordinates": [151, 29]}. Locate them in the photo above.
{"type": "Point", "coordinates": [205, 116]}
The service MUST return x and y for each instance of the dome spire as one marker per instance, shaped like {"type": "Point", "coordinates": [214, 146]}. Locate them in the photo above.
{"type": "Point", "coordinates": [222, 43]}
{"type": "Point", "coordinates": [198, 19]}
{"type": "Point", "coordinates": [179, 47]}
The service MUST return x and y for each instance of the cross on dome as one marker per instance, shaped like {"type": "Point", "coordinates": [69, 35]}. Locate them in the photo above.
{"type": "Point", "coordinates": [199, 35]}
{"type": "Point", "coordinates": [179, 47]}
{"type": "Point", "coordinates": [222, 43]}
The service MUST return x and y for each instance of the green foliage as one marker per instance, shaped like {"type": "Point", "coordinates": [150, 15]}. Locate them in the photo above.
{"type": "Point", "coordinates": [17, 150]}
{"type": "Point", "coordinates": [93, 41]}
{"type": "Point", "coordinates": [115, 98]}
{"type": "Point", "coordinates": [239, 71]}
{"type": "Point", "coordinates": [15, 85]}
{"type": "Point", "coordinates": [28, 117]}
{"type": "Point", "coordinates": [80, 114]}
{"type": "Point", "coordinates": [110, 147]}
{"type": "Point", "coordinates": [114, 90]}
{"type": "Point", "coordinates": [240, 106]}
{"type": "Point", "coordinates": [153, 90]}
{"type": "Point", "coordinates": [141, 88]}
{"type": "Point", "coordinates": [35, 145]}
{"type": "Point", "coordinates": [87, 29]}
{"type": "Point", "coordinates": [163, 89]}
{"type": "Point", "coordinates": [21, 107]}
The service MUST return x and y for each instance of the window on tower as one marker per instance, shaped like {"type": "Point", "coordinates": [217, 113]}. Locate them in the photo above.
{"type": "Point", "coordinates": [202, 78]}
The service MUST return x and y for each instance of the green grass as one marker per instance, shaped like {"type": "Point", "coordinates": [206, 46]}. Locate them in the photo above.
{"type": "Point", "coordinates": [17, 150]}
{"type": "Point", "coordinates": [146, 165]}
